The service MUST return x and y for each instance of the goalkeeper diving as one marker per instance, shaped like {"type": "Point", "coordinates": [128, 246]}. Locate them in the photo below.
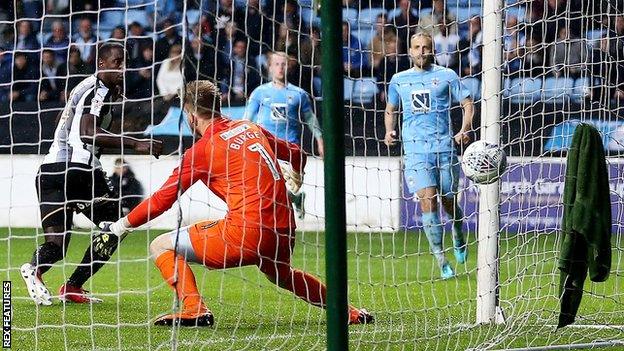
{"type": "Point", "coordinates": [238, 161]}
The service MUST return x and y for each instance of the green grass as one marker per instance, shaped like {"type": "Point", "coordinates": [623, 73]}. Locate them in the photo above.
{"type": "Point", "coordinates": [389, 274]}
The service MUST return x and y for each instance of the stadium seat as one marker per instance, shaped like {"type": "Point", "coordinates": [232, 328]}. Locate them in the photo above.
{"type": "Point", "coordinates": [425, 11]}
{"type": "Point", "coordinates": [393, 13]}
{"type": "Point", "coordinates": [104, 34]}
{"type": "Point", "coordinates": [192, 16]}
{"type": "Point", "coordinates": [368, 17]}
{"type": "Point", "coordinates": [517, 11]}
{"type": "Point", "coordinates": [347, 85]}
{"type": "Point", "coordinates": [581, 89]}
{"type": "Point", "coordinates": [557, 89]}
{"type": "Point", "coordinates": [474, 85]}
{"type": "Point", "coordinates": [138, 16]}
{"type": "Point", "coordinates": [463, 14]}
{"type": "Point", "coordinates": [364, 90]}
{"type": "Point", "coordinates": [365, 35]}
{"type": "Point", "coordinates": [111, 19]}
{"type": "Point", "coordinates": [309, 17]}
{"type": "Point", "coordinates": [350, 15]}
{"type": "Point", "coordinates": [594, 36]}
{"type": "Point", "coordinates": [524, 90]}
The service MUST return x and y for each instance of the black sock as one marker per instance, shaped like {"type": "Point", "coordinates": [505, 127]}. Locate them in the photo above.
{"type": "Point", "coordinates": [46, 255]}
{"type": "Point", "coordinates": [90, 264]}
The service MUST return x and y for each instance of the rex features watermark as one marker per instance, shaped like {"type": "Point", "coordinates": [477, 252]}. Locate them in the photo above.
{"type": "Point", "coordinates": [6, 314]}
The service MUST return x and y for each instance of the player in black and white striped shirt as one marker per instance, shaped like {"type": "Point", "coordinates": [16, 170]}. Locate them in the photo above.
{"type": "Point", "coordinates": [71, 177]}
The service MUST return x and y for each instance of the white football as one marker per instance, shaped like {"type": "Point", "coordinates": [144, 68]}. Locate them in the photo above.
{"type": "Point", "coordinates": [483, 162]}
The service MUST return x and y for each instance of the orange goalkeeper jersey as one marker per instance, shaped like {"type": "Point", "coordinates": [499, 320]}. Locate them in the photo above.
{"type": "Point", "coordinates": [238, 161]}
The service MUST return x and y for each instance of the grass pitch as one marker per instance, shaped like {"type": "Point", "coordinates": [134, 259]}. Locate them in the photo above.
{"type": "Point", "coordinates": [391, 275]}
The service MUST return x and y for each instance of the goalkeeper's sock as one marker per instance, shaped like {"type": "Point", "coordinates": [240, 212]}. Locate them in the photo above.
{"type": "Point", "coordinates": [306, 286]}
{"type": "Point", "coordinates": [433, 230]}
{"type": "Point", "coordinates": [89, 265]}
{"type": "Point", "coordinates": [45, 256]}
{"type": "Point", "coordinates": [185, 287]}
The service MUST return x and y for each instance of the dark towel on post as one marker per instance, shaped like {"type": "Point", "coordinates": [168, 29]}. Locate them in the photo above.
{"type": "Point", "coordinates": [586, 223]}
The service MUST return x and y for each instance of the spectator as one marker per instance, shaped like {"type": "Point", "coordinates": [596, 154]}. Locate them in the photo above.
{"type": "Point", "coordinates": [439, 15]}
{"type": "Point", "coordinates": [353, 59]}
{"type": "Point", "coordinates": [446, 47]}
{"type": "Point", "coordinates": [237, 79]}
{"type": "Point", "coordinates": [225, 13]}
{"type": "Point", "coordinates": [258, 28]}
{"type": "Point", "coordinates": [7, 14]}
{"type": "Point", "coordinates": [391, 63]}
{"type": "Point", "coordinates": [199, 61]}
{"type": "Point", "coordinates": [127, 186]}
{"type": "Point", "coordinates": [405, 22]}
{"type": "Point", "coordinates": [606, 74]}
{"type": "Point", "coordinates": [51, 84]}
{"type": "Point", "coordinates": [533, 61]}
{"type": "Point", "coordinates": [85, 42]}
{"type": "Point", "coordinates": [75, 69]}
{"type": "Point", "coordinates": [6, 67]}
{"type": "Point", "coordinates": [226, 40]}
{"type": "Point", "coordinates": [567, 55]}
{"type": "Point", "coordinates": [26, 39]}
{"type": "Point", "coordinates": [169, 39]}
{"type": "Point", "coordinates": [137, 39]}
{"type": "Point", "coordinates": [140, 78]}
{"type": "Point", "coordinates": [169, 79]}
{"type": "Point", "coordinates": [57, 7]}
{"type": "Point", "coordinates": [546, 16]}
{"type": "Point", "coordinates": [58, 42]}
{"type": "Point", "coordinates": [383, 33]}
{"type": "Point", "coordinates": [287, 40]}
{"type": "Point", "coordinates": [290, 16]}
{"type": "Point", "coordinates": [514, 40]}
{"type": "Point", "coordinates": [85, 9]}
{"type": "Point", "coordinates": [471, 47]}
{"type": "Point", "coordinates": [32, 8]}
{"type": "Point", "coordinates": [166, 10]}
{"type": "Point", "coordinates": [24, 79]}
{"type": "Point", "coordinates": [118, 34]}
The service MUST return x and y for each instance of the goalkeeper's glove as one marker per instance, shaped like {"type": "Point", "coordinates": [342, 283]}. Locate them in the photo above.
{"type": "Point", "coordinates": [293, 179]}
{"type": "Point", "coordinates": [106, 241]}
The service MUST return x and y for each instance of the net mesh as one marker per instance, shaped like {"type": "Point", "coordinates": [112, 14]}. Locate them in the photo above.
{"type": "Point", "coordinates": [561, 65]}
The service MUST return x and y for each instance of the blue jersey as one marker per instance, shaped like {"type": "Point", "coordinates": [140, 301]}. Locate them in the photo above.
{"type": "Point", "coordinates": [426, 100]}
{"type": "Point", "coordinates": [279, 110]}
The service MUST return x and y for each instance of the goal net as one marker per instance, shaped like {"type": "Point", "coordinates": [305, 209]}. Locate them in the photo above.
{"type": "Point", "coordinates": [561, 64]}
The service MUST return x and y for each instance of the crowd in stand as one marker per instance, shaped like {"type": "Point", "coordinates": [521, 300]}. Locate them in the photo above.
{"type": "Point", "coordinates": [48, 46]}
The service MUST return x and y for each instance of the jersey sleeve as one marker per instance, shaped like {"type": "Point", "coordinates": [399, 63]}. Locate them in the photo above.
{"type": "Point", "coordinates": [458, 89]}
{"type": "Point", "coordinates": [306, 104]}
{"type": "Point", "coordinates": [393, 93]}
{"type": "Point", "coordinates": [95, 100]}
{"type": "Point", "coordinates": [194, 167]}
{"type": "Point", "coordinates": [253, 106]}
{"type": "Point", "coordinates": [286, 151]}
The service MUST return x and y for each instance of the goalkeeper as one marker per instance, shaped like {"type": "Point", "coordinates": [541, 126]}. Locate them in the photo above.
{"type": "Point", "coordinates": [237, 160]}
{"type": "Point", "coordinates": [430, 160]}
{"type": "Point", "coordinates": [71, 177]}
{"type": "Point", "coordinates": [279, 107]}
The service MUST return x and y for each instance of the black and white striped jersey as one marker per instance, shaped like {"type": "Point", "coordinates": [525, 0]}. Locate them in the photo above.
{"type": "Point", "coordinates": [90, 96]}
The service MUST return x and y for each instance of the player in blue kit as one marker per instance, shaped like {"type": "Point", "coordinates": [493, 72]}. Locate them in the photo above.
{"type": "Point", "coordinates": [282, 109]}
{"type": "Point", "coordinates": [430, 159]}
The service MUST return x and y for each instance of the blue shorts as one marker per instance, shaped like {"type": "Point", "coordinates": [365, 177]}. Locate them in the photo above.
{"type": "Point", "coordinates": [439, 170]}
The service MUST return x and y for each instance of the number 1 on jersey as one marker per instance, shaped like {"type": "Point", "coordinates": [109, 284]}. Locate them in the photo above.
{"type": "Point", "coordinates": [257, 147]}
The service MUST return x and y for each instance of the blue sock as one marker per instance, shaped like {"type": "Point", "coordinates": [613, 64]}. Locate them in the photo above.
{"type": "Point", "coordinates": [458, 221]}
{"type": "Point", "coordinates": [433, 230]}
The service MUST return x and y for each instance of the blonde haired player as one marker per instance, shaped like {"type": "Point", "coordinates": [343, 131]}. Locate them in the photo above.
{"type": "Point", "coordinates": [237, 160]}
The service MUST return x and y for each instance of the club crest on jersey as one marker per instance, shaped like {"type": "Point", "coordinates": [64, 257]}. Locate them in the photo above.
{"type": "Point", "coordinates": [435, 82]}
{"type": "Point", "coordinates": [421, 101]}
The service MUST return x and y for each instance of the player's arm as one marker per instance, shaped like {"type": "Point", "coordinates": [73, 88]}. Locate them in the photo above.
{"type": "Point", "coordinates": [463, 135]}
{"type": "Point", "coordinates": [193, 168]}
{"type": "Point", "coordinates": [91, 133]}
{"type": "Point", "coordinates": [462, 94]}
{"type": "Point", "coordinates": [253, 107]}
{"type": "Point", "coordinates": [309, 118]}
{"type": "Point", "coordinates": [285, 151]}
{"type": "Point", "coordinates": [390, 115]}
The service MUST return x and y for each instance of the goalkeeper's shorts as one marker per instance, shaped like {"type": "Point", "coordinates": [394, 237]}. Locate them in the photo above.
{"type": "Point", "coordinates": [217, 244]}
{"type": "Point", "coordinates": [63, 189]}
